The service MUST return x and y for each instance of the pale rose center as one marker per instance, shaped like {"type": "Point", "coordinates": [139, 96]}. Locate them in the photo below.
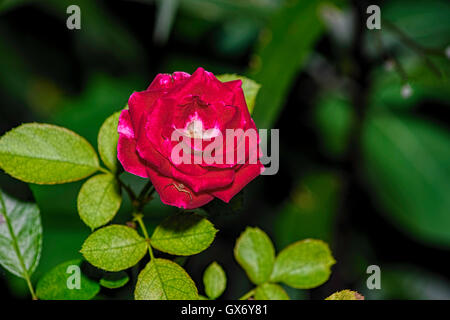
{"type": "Point", "coordinates": [195, 130]}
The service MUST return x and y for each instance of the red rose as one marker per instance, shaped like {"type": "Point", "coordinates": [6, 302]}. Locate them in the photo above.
{"type": "Point", "coordinates": [198, 107]}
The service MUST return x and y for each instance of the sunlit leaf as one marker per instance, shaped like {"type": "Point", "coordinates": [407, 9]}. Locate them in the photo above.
{"type": "Point", "coordinates": [114, 248]}
{"type": "Point", "coordinates": [215, 280]}
{"type": "Point", "coordinates": [304, 264]}
{"type": "Point", "coordinates": [46, 154]}
{"type": "Point", "coordinates": [114, 280]}
{"type": "Point", "coordinates": [183, 234]}
{"type": "Point", "coordinates": [107, 141]}
{"type": "Point", "coordinates": [255, 253]}
{"type": "Point", "coordinates": [163, 279]}
{"type": "Point", "coordinates": [249, 87]}
{"type": "Point", "coordinates": [99, 200]}
{"type": "Point", "coordinates": [270, 291]}
{"type": "Point", "coordinates": [345, 295]}
{"type": "Point", "coordinates": [60, 283]}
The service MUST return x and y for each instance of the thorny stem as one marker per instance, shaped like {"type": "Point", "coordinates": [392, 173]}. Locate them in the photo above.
{"type": "Point", "coordinates": [247, 295]}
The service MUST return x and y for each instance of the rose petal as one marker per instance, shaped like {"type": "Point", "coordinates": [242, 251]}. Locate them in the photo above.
{"type": "Point", "coordinates": [128, 157]}
{"type": "Point", "coordinates": [205, 85]}
{"type": "Point", "coordinates": [174, 193]}
{"type": "Point", "coordinates": [211, 180]}
{"type": "Point", "coordinates": [140, 104]}
{"type": "Point", "coordinates": [125, 127]}
{"type": "Point", "coordinates": [243, 176]}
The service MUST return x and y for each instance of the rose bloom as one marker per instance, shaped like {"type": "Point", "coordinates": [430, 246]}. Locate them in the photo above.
{"type": "Point", "coordinates": [186, 103]}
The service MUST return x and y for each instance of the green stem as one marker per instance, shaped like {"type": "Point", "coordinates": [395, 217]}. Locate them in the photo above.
{"type": "Point", "coordinates": [247, 295]}
{"type": "Point", "coordinates": [138, 203]}
{"type": "Point", "coordinates": [30, 287]}
{"type": "Point", "coordinates": [138, 218]}
{"type": "Point", "coordinates": [103, 170]}
{"type": "Point", "coordinates": [26, 276]}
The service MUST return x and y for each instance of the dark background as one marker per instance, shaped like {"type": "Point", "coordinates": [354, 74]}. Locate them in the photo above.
{"type": "Point", "coordinates": [361, 166]}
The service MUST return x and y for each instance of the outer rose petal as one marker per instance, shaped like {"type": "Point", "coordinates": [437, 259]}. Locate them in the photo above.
{"type": "Point", "coordinates": [169, 194]}
{"type": "Point", "coordinates": [140, 104]}
{"type": "Point", "coordinates": [164, 80]}
{"type": "Point", "coordinates": [209, 181]}
{"type": "Point", "coordinates": [126, 147]}
{"type": "Point", "coordinates": [243, 176]}
{"type": "Point", "coordinates": [125, 127]}
{"type": "Point", "coordinates": [205, 85]}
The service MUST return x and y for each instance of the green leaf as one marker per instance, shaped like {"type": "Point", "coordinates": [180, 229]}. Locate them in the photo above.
{"type": "Point", "coordinates": [270, 291]}
{"type": "Point", "coordinates": [183, 234]}
{"type": "Point", "coordinates": [114, 280]}
{"type": "Point", "coordinates": [162, 279]}
{"type": "Point", "coordinates": [255, 253]}
{"type": "Point", "coordinates": [249, 87]}
{"type": "Point", "coordinates": [114, 248]}
{"type": "Point", "coordinates": [345, 295]}
{"type": "Point", "coordinates": [282, 51]}
{"type": "Point", "coordinates": [46, 154]}
{"type": "Point", "coordinates": [99, 200]}
{"type": "Point", "coordinates": [107, 141]}
{"type": "Point", "coordinates": [59, 283]}
{"type": "Point", "coordinates": [406, 161]}
{"type": "Point", "coordinates": [215, 280]}
{"type": "Point", "coordinates": [20, 236]}
{"type": "Point", "coordinates": [304, 264]}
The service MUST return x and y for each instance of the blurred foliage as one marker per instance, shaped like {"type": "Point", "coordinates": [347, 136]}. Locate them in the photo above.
{"type": "Point", "coordinates": [313, 205]}
{"type": "Point", "coordinates": [409, 283]}
{"type": "Point", "coordinates": [282, 49]}
{"type": "Point", "coordinates": [334, 118]}
{"type": "Point", "coordinates": [412, 181]}
{"type": "Point", "coordinates": [424, 21]}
